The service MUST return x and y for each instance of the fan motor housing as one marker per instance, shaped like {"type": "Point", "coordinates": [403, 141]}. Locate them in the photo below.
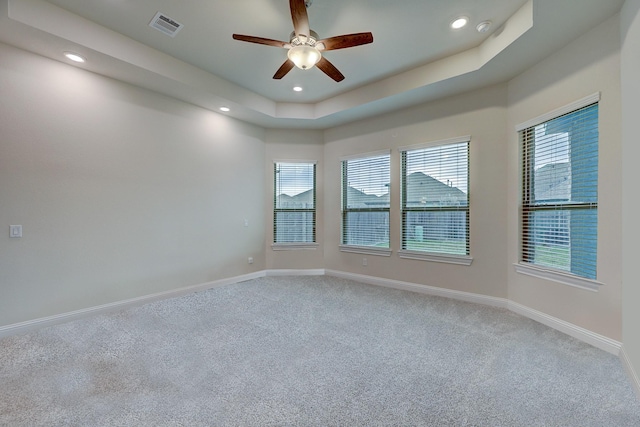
{"type": "Point", "coordinates": [310, 41]}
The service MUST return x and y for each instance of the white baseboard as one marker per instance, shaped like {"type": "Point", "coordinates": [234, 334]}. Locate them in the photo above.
{"type": "Point", "coordinates": [585, 335]}
{"type": "Point", "coordinates": [30, 325]}
{"type": "Point", "coordinates": [289, 272]}
{"type": "Point", "coordinates": [422, 289]}
{"type": "Point", "coordinates": [633, 375]}
{"type": "Point", "coordinates": [577, 332]}
{"type": "Point", "coordinates": [596, 340]}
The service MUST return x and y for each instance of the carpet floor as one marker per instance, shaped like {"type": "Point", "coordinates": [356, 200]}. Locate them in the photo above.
{"type": "Point", "coordinates": [310, 351]}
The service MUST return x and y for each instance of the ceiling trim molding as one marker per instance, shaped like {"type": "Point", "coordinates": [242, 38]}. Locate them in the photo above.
{"type": "Point", "coordinates": [143, 66]}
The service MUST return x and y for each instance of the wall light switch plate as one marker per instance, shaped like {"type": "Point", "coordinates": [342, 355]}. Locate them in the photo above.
{"type": "Point", "coordinates": [15, 231]}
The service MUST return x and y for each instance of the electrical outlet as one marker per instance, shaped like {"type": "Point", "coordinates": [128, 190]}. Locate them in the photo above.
{"type": "Point", "coordinates": [364, 262]}
{"type": "Point", "coordinates": [15, 231]}
{"type": "Point", "coordinates": [250, 260]}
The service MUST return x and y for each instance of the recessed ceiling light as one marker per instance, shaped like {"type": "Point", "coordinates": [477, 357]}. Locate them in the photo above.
{"type": "Point", "coordinates": [297, 89]}
{"type": "Point", "coordinates": [484, 26]}
{"type": "Point", "coordinates": [225, 109]}
{"type": "Point", "coordinates": [74, 57]}
{"type": "Point", "coordinates": [459, 22]}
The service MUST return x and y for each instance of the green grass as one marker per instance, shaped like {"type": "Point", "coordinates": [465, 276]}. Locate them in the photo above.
{"type": "Point", "coordinates": [456, 247]}
{"type": "Point", "coordinates": [549, 256]}
{"type": "Point", "coordinates": [553, 256]}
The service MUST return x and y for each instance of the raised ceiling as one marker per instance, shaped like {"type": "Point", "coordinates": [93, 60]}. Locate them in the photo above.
{"type": "Point", "coordinates": [415, 56]}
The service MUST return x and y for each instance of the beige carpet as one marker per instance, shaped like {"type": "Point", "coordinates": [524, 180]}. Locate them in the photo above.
{"type": "Point", "coordinates": [310, 351]}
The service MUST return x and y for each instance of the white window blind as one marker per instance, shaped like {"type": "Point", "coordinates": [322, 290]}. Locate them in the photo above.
{"type": "Point", "coordinates": [435, 199]}
{"type": "Point", "coordinates": [294, 215]}
{"type": "Point", "coordinates": [560, 193]}
{"type": "Point", "coordinates": [365, 201]}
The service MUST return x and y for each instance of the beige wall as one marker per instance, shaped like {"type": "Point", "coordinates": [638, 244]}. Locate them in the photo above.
{"type": "Point", "coordinates": [481, 114]}
{"type": "Point", "coordinates": [296, 145]}
{"type": "Point", "coordinates": [588, 65]}
{"type": "Point", "coordinates": [121, 192]}
{"type": "Point", "coordinates": [630, 31]}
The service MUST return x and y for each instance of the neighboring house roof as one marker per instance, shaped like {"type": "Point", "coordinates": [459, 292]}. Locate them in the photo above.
{"type": "Point", "coordinates": [553, 182]}
{"type": "Point", "coordinates": [424, 190]}
{"type": "Point", "coordinates": [360, 199]}
{"type": "Point", "coordinates": [301, 200]}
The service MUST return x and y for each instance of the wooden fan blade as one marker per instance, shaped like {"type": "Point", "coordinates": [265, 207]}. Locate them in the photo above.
{"type": "Point", "coordinates": [345, 41]}
{"type": "Point", "coordinates": [284, 69]}
{"type": "Point", "coordinates": [299, 17]}
{"type": "Point", "coordinates": [260, 40]}
{"type": "Point", "coordinates": [329, 69]}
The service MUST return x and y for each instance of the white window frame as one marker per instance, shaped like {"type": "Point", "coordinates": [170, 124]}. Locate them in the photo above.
{"type": "Point", "coordinates": [287, 246]}
{"type": "Point", "coordinates": [424, 255]}
{"type": "Point", "coordinates": [537, 271]}
{"type": "Point", "coordinates": [366, 250]}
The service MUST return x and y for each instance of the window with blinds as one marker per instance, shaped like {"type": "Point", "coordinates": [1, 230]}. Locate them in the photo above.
{"type": "Point", "coordinates": [294, 213]}
{"type": "Point", "coordinates": [435, 198]}
{"type": "Point", "coordinates": [365, 201]}
{"type": "Point", "coordinates": [560, 192]}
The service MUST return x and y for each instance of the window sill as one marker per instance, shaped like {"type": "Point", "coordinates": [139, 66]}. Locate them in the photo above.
{"type": "Point", "coordinates": [294, 246]}
{"type": "Point", "coordinates": [430, 256]}
{"type": "Point", "coordinates": [366, 250]}
{"type": "Point", "coordinates": [558, 276]}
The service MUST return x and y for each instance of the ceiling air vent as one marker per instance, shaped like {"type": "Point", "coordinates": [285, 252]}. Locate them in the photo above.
{"type": "Point", "coordinates": [165, 24]}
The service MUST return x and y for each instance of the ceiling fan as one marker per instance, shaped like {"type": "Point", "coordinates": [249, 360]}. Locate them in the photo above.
{"type": "Point", "coordinates": [304, 46]}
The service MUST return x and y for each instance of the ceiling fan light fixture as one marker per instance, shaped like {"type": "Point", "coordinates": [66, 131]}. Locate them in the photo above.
{"type": "Point", "coordinates": [305, 57]}
{"type": "Point", "coordinates": [304, 50]}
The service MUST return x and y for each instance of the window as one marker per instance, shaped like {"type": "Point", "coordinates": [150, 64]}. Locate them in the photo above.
{"type": "Point", "coordinates": [365, 201]}
{"type": "Point", "coordinates": [294, 213]}
{"type": "Point", "coordinates": [435, 198]}
{"type": "Point", "coordinates": [559, 217]}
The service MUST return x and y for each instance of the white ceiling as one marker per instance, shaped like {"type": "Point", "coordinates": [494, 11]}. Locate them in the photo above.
{"type": "Point", "coordinates": [415, 56]}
